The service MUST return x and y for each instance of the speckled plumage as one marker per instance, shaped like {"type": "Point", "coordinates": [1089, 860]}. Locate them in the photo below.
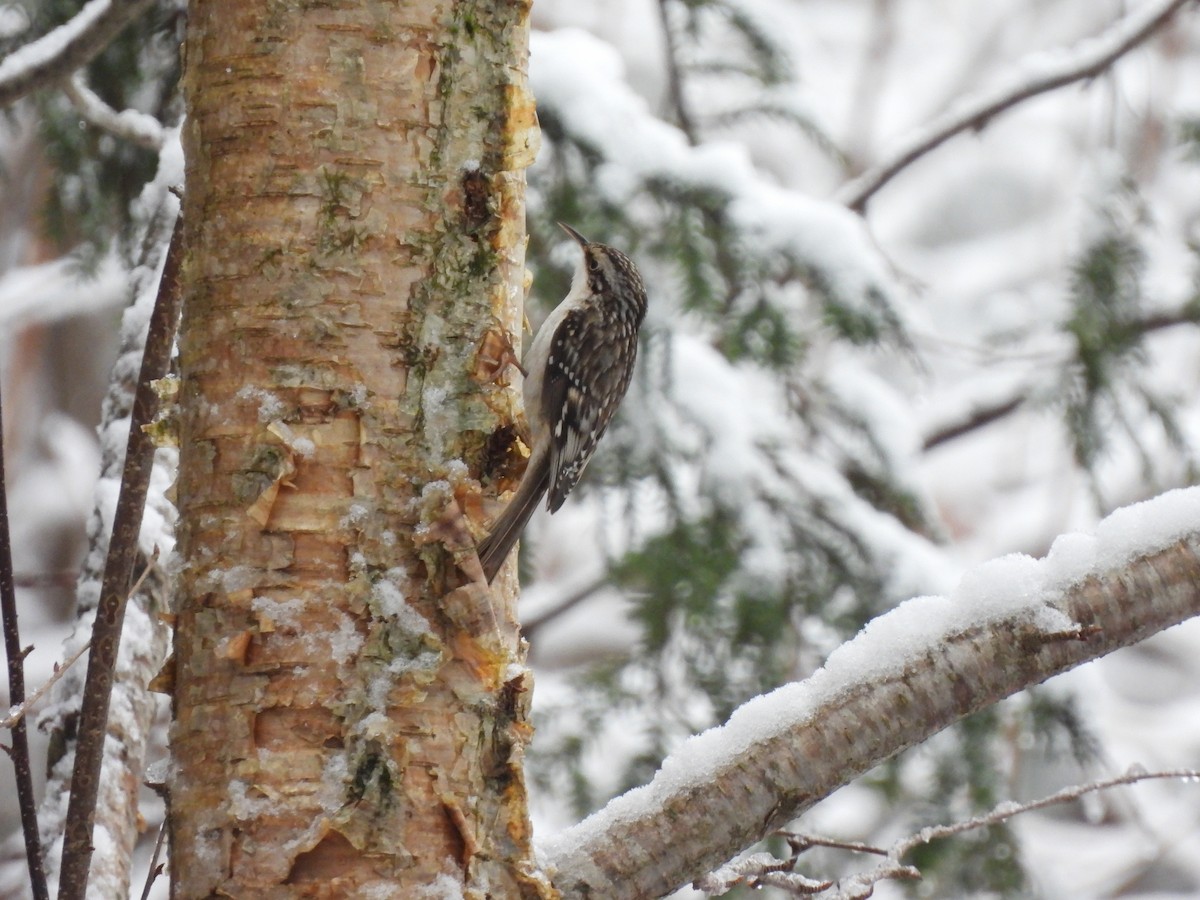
{"type": "Point", "coordinates": [580, 365]}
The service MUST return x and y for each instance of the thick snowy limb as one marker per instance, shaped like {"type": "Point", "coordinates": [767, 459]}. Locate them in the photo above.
{"type": "Point", "coordinates": [1033, 77]}
{"type": "Point", "coordinates": [1012, 623]}
{"type": "Point", "coordinates": [72, 45]}
{"type": "Point", "coordinates": [128, 124]}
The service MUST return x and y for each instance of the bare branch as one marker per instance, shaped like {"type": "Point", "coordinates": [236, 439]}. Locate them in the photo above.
{"type": "Point", "coordinates": [64, 579]}
{"type": "Point", "coordinates": [977, 418]}
{"type": "Point", "coordinates": [862, 884]}
{"type": "Point", "coordinates": [72, 45]}
{"type": "Point", "coordinates": [765, 869]}
{"type": "Point", "coordinates": [155, 866]}
{"type": "Point", "coordinates": [782, 753]}
{"type": "Point", "coordinates": [15, 653]}
{"type": "Point", "coordinates": [568, 603]}
{"type": "Point", "coordinates": [987, 412]}
{"type": "Point", "coordinates": [1087, 60]}
{"type": "Point", "coordinates": [1006, 811]}
{"type": "Point", "coordinates": [22, 709]}
{"type": "Point", "coordinates": [122, 551]}
{"type": "Point", "coordinates": [683, 114]}
{"type": "Point", "coordinates": [128, 124]}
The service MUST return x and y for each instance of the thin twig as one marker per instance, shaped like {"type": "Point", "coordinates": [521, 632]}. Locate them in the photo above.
{"type": "Point", "coordinates": [152, 874]}
{"type": "Point", "coordinates": [127, 124]}
{"type": "Point", "coordinates": [765, 869]}
{"type": "Point", "coordinates": [1006, 811]}
{"type": "Point", "coordinates": [683, 116]}
{"type": "Point", "coordinates": [25, 708]}
{"type": "Point", "coordinates": [987, 413]}
{"type": "Point", "coordinates": [64, 579]}
{"type": "Point", "coordinates": [565, 605]}
{"type": "Point", "coordinates": [1087, 61]}
{"type": "Point", "coordinates": [114, 589]}
{"type": "Point", "coordinates": [49, 59]}
{"type": "Point", "coordinates": [26, 800]}
{"type": "Point", "coordinates": [868, 85]}
{"type": "Point", "coordinates": [21, 710]}
{"type": "Point", "coordinates": [975, 419]}
{"type": "Point", "coordinates": [799, 843]}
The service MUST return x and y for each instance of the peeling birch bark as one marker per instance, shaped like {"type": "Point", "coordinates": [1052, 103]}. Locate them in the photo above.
{"type": "Point", "coordinates": [350, 709]}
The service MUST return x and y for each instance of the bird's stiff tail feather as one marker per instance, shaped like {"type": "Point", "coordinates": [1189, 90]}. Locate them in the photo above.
{"type": "Point", "coordinates": [494, 549]}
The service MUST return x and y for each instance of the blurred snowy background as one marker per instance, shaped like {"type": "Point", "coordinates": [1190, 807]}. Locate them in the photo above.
{"type": "Point", "coordinates": [834, 411]}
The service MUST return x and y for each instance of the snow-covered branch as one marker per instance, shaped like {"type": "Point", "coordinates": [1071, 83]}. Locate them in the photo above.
{"type": "Point", "coordinates": [54, 56]}
{"type": "Point", "coordinates": [1033, 76]}
{"type": "Point", "coordinates": [1011, 623]}
{"type": "Point", "coordinates": [128, 124]}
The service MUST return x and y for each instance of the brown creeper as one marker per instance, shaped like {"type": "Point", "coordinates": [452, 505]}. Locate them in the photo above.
{"type": "Point", "coordinates": [579, 367]}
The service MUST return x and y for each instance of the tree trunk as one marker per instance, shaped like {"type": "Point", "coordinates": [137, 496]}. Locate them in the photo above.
{"type": "Point", "coordinates": [350, 710]}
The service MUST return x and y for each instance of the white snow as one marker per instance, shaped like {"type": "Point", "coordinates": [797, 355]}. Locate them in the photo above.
{"type": "Point", "coordinates": [582, 79]}
{"type": "Point", "coordinates": [39, 52]}
{"type": "Point", "coordinates": [24, 290]}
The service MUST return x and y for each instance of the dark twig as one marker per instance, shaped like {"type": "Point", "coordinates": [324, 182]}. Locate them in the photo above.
{"type": "Point", "coordinates": [23, 709]}
{"type": "Point", "coordinates": [20, 710]}
{"type": "Point", "coordinates": [1091, 59]}
{"type": "Point", "coordinates": [565, 605]}
{"type": "Point", "coordinates": [114, 589]}
{"type": "Point", "coordinates": [47, 60]}
{"type": "Point", "coordinates": [977, 418]}
{"type": "Point", "coordinates": [987, 414]}
{"type": "Point", "coordinates": [765, 869]}
{"type": "Point", "coordinates": [64, 579]}
{"type": "Point", "coordinates": [683, 116]}
{"type": "Point", "coordinates": [155, 869]}
{"type": "Point", "coordinates": [16, 695]}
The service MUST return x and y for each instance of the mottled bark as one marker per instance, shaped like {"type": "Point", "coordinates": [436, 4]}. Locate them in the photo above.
{"type": "Point", "coordinates": [350, 708]}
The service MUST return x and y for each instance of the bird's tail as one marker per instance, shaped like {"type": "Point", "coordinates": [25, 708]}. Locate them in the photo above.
{"type": "Point", "coordinates": [493, 549]}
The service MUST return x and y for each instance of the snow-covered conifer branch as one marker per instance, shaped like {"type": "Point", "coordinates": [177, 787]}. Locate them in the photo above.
{"type": "Point", "coordinates": [128, 124]}
{"type": "Point", "coordinates": [1032, 77]}
{"type": "Point", "coordinates": [1012, 623]}
{"type": "Point", "coordinates": [54, 56]}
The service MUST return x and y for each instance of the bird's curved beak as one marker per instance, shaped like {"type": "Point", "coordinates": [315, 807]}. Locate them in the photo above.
{"type": "Point", "coordinates": [583, 242]}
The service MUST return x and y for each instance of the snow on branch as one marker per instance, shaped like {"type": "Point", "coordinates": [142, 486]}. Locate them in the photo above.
{"type": "Point", "coordinates": [129, 124]}
{"type": "Point", "coordinates": [580, 84]}
{"type": "Point", "coordinates": [1035, 75]}
{"type": "Point", "coordinates": [52, 57]}
{"type": "Point", "coordinates": [1011, 623]}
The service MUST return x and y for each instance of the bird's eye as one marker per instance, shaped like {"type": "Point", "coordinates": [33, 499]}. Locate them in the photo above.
{"type": "Point", "coordinates": [593, 264]}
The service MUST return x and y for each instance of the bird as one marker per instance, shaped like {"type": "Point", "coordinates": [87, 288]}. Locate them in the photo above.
{"type": "Point", "coordinates": [578, 369]}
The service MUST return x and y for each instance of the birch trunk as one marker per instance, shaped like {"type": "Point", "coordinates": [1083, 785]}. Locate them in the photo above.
{"type": "Point", "coordinates": [350, 710]}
